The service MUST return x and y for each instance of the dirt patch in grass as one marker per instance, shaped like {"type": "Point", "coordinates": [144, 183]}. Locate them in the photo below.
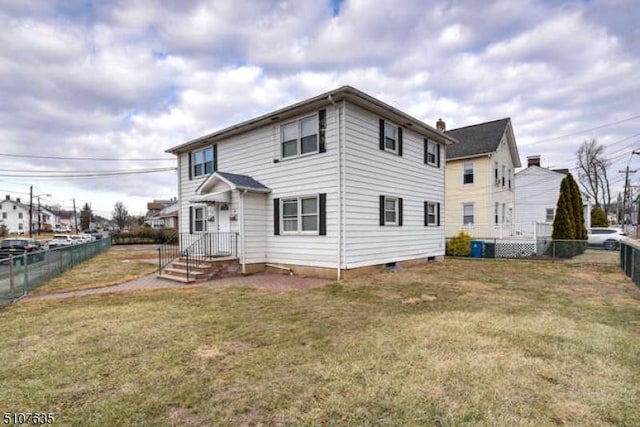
{"type": "Point", "coordinates": [117, 265]}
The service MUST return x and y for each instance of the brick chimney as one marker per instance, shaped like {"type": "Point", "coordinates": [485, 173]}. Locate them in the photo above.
{"type": "Point", "coordinates": [533, 161]}
{"type": "Point", "coordinates": [441, 125]}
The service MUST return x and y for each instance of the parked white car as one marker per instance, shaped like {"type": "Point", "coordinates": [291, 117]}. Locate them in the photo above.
{"type": "Point", "coordinates": [607, 237]}
{"type": "Point", "coordinates": [60, 240]}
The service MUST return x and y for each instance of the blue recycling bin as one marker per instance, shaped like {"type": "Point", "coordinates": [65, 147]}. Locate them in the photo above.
{"type": "Point", "coordinates": [477, 247]}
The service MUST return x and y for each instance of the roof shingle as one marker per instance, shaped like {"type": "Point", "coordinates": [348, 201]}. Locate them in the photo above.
{"type": "Point", "coordinates": [477, 139]}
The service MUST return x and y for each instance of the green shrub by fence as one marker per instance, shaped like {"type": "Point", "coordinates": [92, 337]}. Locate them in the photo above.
{"type": "Point", "coordinates": [22, 274]}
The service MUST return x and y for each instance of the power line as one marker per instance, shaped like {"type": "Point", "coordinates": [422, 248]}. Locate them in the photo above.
{"type": "Point", "coordinates": [31, 156]}
{"type": "Point", "coordinates": [88, 175]}
{"type": "Point", "coordinates": [587, 130]}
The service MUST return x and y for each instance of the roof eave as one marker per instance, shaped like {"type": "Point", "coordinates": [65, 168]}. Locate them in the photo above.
{"type": "Point", "coordinates": [345, 92]}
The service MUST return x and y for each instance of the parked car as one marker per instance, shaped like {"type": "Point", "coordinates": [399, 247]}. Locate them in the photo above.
{"type": "Point", "coordinates": [607, 237]}
{"type": "Point", "coordinates": [16, 247]}
{"type": "Point", "coordinates": [59, 240]}
{"type": "Point", "coordinates": [78, 239]}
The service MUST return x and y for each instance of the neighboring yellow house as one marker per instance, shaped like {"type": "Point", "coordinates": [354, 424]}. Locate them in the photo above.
{"type": "Point", "coordinates": [480, 184]}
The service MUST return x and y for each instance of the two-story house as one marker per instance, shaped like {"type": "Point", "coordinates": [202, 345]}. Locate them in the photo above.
{"type": "Point", "coordinates": [537, 193]}
{"type": "Point", "coordinates": [324, 187]}
{"type": "Point", "coordinates": [14, 215]}
{"type": "Point", "coordinates": [480, 189]}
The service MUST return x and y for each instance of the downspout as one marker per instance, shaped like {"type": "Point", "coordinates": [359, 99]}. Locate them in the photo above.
{"type": "Point", "coordinates": [242, 245]}
{"type": "Point", "coordinates": [340, 179]}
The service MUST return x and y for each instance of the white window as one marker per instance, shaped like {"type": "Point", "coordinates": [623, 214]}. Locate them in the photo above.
{"type": "Point", "coordinates": [19, 215]}
{"type": "Point", "coordinates": [202, 162]}
{"type": "Point", "coordinates": [198, 219]}
{"type": "Point", "coordinates": [496, 211]}
{"type": "Point", "coordinates": [504, 168]}
{"type": "Point", "coordinates": [467, 213]}
{"type": "Point", "coordinates": [300, 214]}
{"type": "Point", "coordinates": [299, 137]}
{"type": "Point", "coordinates": [390, 137]}
{"type": "Point", "coordinates": [549, 214]}
{"type": "Point", "coordinates": [504, 210]}
{"type": "Point", "coordinates": [509, 177]}
{"type": "Point", "coordinates": [467, 177]}
{"type": "Point", "coordinates": [432, 153]}
{"type": "Point", "coordinates": [390, 211]}
{"type": "Point", "coordinates": [4, 215]}
{"type": "Point", "coordinates": [432, 214]}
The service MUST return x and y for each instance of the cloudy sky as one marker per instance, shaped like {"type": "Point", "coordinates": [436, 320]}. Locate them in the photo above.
{"type": "Point", "coordinates": [95, 88]}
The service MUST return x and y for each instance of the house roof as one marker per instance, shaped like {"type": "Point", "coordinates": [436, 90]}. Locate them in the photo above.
{"type": "Point", "coordinates": [348, 93]}
{"type": "Point", "coordinates": [243, 181]}
{"type": "Point", "coordinates": [483, 138]}
{"type": "Point", "coordinates": [233, 181]}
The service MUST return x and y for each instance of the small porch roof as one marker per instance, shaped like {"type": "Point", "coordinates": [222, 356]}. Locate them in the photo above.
{"type": "Point", "coordinates": [230, 181]}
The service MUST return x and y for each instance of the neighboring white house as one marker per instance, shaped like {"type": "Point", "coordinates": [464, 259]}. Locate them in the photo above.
{"type": "Point", "coordinates": [167, 217]}
{"type": "Point", "coordinates": [325, 186]}
{"type": "Point", "coordinates": [14, 215]}
{"type": "Point", "coordinates": [537, 192]}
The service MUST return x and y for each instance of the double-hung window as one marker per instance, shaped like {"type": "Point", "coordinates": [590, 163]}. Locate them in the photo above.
{"type": "Point", "coordinates": [549, 214]}
{"type": "Point", "coordinates": [390, 210]}
{"type": "Point", "coordinates": [299, 137]}
{"type": "Point", "coordinates": [432, 153]}
{"type": "Point", "coordinates": [198, 219]}
{"type": "Point", "coordinates": [467, 177]}
{"type": "Point", "coordinates": [467, 213]}
{"type": "Point", "coordinates": [390, 137]}
{"type": "Point", "coordinates": [504, 168]}
{"type": "Point", "coordinates": [202, 162]}
{"type": "Point", "coordinates": [300, 214]}
{"type": "Point", "coordinates": [431, 214]}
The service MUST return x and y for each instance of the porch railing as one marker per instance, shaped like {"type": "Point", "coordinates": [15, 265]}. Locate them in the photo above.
{"type": "Point", "coordinates": [198, 247]}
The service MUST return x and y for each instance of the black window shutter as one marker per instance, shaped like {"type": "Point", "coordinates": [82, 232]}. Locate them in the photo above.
{"type": "Point", "coordinates": [190, 219]}
{"type": "Point", "coordinates": [322, 219]}
{"type": "Point", "coordinates": [438, 214]}
{"type": "Point", "coordinates": [381, 210]}
{"type": "Point", "coordinates": [426, 151]}
{"type": "Point", "coordinates": [215, 157]}
{"type": "Point", "coordinates": [438, 154]}
{"type": "Point", "coordinates": [399, 141]}
{"type": "Point", "coordinates": [276, 217]}
{"type": "Point", "coordinates": [400, 211]}
{"type": "Point", "coordinates": [381, 134]}
{"type": "Point", "coordinates": [190, 166]}
{"type": "Point", "coordinates": [322, 124]}
{"type": "Point", "coordinates": [426, 214]}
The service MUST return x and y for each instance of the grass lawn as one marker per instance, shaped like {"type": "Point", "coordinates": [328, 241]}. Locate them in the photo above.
{"type": "Point", "coordinates": [117, 265]}
{"type": "Point", "coordinates": [464, 342]}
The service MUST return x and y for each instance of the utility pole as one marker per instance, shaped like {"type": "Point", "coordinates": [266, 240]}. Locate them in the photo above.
{"type": "Point", "coordinates": [30, 210]}
{"type": "Point", "coordinates": [626, 195]}
{"type": "Point", "coordinates": [638, 214]}
{"type": "Point", "coordinates": [75, 217]}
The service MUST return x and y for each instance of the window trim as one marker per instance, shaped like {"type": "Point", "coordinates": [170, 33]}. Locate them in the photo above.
{"type": "Point", "coordinates": [546, 216]}
{"type": "Point", "coordinates": [299, 215]}
{"type": "Point", "coordinates": [195, 221]}
{"type": "Point", "coordinates": [472, 222]}
{"type": "Point", "coordinates": [436, 214]}
{"type": "Point", "coordinates": [298, 121]}
{"type": "Point", "coordinates": [464, 174]}
{"type": "Point", "coordinates": [382, 137]}
{"type": "Point", "coordinates": [436, 153]}
{"type": "Point", "coordinates": [193, 165]}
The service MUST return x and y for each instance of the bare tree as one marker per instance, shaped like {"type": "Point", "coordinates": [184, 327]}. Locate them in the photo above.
{"type": "Point", "coordinates": [120, 215]}
{"type": "Point", "coordinates": [592, 173]}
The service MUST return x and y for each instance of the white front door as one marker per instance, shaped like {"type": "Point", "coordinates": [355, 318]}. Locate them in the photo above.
{"type": "Point", "coordinates": [223, 222]}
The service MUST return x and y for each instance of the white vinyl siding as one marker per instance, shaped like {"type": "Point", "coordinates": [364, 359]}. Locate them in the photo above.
{"type": "Point", "coordinates": [253, 154]}
{"type": "Point", "coordinates": [371, 173]}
